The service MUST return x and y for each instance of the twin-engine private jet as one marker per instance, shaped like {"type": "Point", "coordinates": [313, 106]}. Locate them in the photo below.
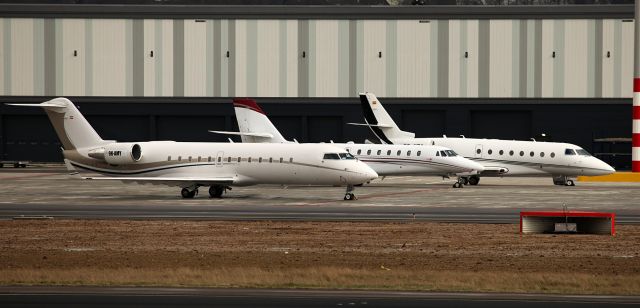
{"type": "Point", "coordinates": [562, 161]}
{"type": "Point", "coordinates": [385, 159]}
{"type": "Point", "coordinates": [190, 165]}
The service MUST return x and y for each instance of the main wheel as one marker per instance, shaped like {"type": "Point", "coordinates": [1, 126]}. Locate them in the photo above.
{"type": "Point", "coordinates": [570, 183]}
{"type": "Point", "coordinates": [187, 194]}
{"type": "Point", "coordinates": [349, 196]}
{"type": "Point", "coordinates": [474, 180]}
{"type": "Point", "coordinates": [215, 191]}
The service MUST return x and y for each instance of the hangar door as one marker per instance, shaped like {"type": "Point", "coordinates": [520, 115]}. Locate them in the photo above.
{"type": "Point", "coordinates": [424, 123]}
{"type": "Point", "coordinates": [501, 124]}
{"type": "Point", "coordinates": [324, 129]}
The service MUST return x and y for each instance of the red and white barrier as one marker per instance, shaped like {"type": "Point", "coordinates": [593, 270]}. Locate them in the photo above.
{"type": "Point", "coordinates": [635, 133]}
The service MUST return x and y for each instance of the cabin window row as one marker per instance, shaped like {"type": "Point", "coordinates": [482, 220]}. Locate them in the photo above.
{"type": "Point", "coordinates": [389, 152]}
{"type": "Point", "coordinates": [230, 159]}
{"type": "Point", "coordinates": [511, 153]}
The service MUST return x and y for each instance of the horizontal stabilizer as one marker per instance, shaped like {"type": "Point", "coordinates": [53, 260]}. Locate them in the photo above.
{"type": "Point", "coordinates": [373, 125]}
{"type": "Point", "coordinates": [260, 135]}
{"type": "Point", "coordinates": [38, 105]}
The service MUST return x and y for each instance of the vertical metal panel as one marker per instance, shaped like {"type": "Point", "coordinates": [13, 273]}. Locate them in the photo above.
{"type": "Point", "coordinates": [456, 58]}
{"type": "Point", "coordinates": [50, 56]}
{"type": "Point", "coordinates": [592, 49]}
{"type": "Point", "coordinates": [391, 57]}
{"type": "Point", "coordinates": [374, 66]}
{"type": "Point", "coordinates": [561, 57]}
{"type": "Point", "coordinates": [73, 57]}
{"type": "Point", "coordinates": [443, 58]}
{"type": "Point", "coordinates": [360, 63]}
{"type": "Point", "coordinates": [292, 58]}
{"type": "Point", "coordinates": [413, 65]}
{"type": "Point", "coordinates": [282, 58]}
{"type": "Point", "coordinates": [353, 57]}
{"type": "Point", "coordinates": [472, 62]}
{"type": "Point", "coordinates": [88, 57]}
{"type": "Point", "coordinates": [599, 58]}
{"type": "Point", "coordinates": [178, 57]}
{"type": "Point", "coordinates": [325, 58]}
{"type": "Point", "coordinates": [211, 41]}
{"type": "Point", "coordinates": [531, 59]}
{"type": "Point", "coordinates": [165, 63]}
{"type": "Point", "coordinates": [225, 65]}
{"type": "Point", "coordinates": [500, 58]}
{"type": "Point", "coordinates": [464, 60]}
{"type": "Point", "coordinates": [608, 62]}
{"type": "Point", "coordinates": [312, 54]}
{"type": "Point", "coordinates": [303, 59]}
{"type": "Point", "coordinates": [195, 58]}
{"type": "Point", "coordinates": [547, 63]}
{"type": "Point", "coordinates": [523, 58]}
{"type": "Point", "coordinates": [217, 57]}
{"type": "Point", "coordinates": [22, 56]}
{"type": "Point", "coordinates": [240, 59]}
{"type": "Point", "coordinates": [344, 86]}
{"type": "Point", "coordinates": [515, 58]}
{"type": "Point", "coordinates": [5, 56]}
{"type": "Point", "coordinates": [138, 57]}
{"type": "Point", "coordinates": [617, 59]}
{"type": "Point", "coordinates": [484, 56]}
{"type": "Point", "coordinates": [150, 64]}
{"type": "Point", "coordinates": [575, 58]}
{"type": "Point", "coordinates": [538, 45]}
{"type": "Point", "coordinates": [268, 60]}
{"type": "Point", "coordinates": [251, 62]}
{"type": "Point", "coordinates": [109, 57]}
{"type": "Point", "coordinates": [626, 73]}
{"type": "Point", "coordinates": [128, 57]}
{"type": "Point", "coordinates": [38, 56]}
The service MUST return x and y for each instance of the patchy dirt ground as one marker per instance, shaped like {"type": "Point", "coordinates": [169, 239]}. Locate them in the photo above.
{"type": "Point", "coordinates": [401, 255]}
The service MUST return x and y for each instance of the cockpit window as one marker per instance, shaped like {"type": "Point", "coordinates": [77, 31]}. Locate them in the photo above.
{"type": "Point", "coordinates": [346, 156]}
{"type": "Point", "coordinates": [569, 152]}
{"type": "Point", "coordinates": [451, 153]}
{"type": "Point", "coordinates": [443, 153]}
{"type": "Point", "coordinates": [331, 156]}
{"type": "Point", "coordinates": [583, 152]}
{"type": "Point", "coordinates": [437, 153]}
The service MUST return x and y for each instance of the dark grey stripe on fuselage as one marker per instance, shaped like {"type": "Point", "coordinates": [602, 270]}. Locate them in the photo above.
{"type": "Point", "coordinates": [526, 164]}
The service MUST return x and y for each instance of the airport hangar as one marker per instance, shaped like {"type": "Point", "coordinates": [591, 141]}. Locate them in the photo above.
{"type": "Point", "coordinates": [160, 72]}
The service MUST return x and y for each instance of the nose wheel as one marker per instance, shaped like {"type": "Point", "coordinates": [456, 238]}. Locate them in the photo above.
{"type": "Point", "coordinates": [349, 195]}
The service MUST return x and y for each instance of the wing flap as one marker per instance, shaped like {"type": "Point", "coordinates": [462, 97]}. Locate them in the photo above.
{"type": "Point", "coordinates": [174, 181]}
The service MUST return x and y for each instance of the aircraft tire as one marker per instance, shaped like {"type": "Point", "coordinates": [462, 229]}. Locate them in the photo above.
{"type": "Point", "coordinates": [187, 194]}
{"type": "Point", "coordinates": [349, 197]}
{"type": "Point", "coordinates": [570, 183]}
{"type": "Point", "coordinates": [474, 180]}
{"type": "Point", "coordinates": [215, 191]}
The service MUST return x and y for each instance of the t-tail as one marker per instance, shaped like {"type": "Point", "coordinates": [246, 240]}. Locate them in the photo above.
{"type": "Point", "coordinates": [380, 122]}
{"type": "Point", "coordinates": [72, 128]}
{"type": "Point", "coordinates": [253, 123]}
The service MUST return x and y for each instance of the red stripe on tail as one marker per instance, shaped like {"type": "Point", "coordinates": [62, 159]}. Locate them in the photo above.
{"type": "Point", "coordinates": [247, 103]}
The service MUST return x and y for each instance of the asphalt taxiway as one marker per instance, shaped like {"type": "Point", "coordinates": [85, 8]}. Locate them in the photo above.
{"type": "Point", "coordinates": [50, 192]}
{"type": "Point", "coordinates": [186, 297]}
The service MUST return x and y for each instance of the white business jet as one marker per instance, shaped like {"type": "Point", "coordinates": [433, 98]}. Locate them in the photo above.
{"type": "Point", "coordinates": [190, 165]}
{"type": "Point", "coordinates": [562, 161]}
{"type": "Point", "coordinates": [385, 159]}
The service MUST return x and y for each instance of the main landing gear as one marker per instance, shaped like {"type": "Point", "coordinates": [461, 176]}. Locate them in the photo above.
{"type": "Point", "coordinates": [215, 191]}
{"type": "Point", "coordinates": [189, 193]}
{"type": "Point", "coordinates": [349, 195]}
{"type": "Point", "coordinates": [471, 180]}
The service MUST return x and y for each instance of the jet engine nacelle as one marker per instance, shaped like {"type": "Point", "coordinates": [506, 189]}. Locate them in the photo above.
{"type": "Point", "coordinates": [122, 153]}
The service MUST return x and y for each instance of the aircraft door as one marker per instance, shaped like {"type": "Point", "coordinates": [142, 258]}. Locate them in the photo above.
{"type": "Point", "coordinates": [219, 158]}
{"type": "Point", "coordinates": [478, 152]}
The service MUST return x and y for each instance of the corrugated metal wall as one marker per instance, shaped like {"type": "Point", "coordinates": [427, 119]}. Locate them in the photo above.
{"type": "Point", "coordinates": [317, 58]}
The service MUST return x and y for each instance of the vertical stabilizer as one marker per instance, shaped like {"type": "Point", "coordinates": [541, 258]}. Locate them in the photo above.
{"type": "Point", "coordinates": [72, 128]}
{"type": "Point", "coordinates": [252, 122]}
{"type": "Point", "coordinates": [380, 121]}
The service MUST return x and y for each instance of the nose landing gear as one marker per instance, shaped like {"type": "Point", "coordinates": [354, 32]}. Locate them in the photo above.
{"type": "Point", "coordinates": [349, 195]}
{"type": "Point", "coordinates": [563, 180]}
